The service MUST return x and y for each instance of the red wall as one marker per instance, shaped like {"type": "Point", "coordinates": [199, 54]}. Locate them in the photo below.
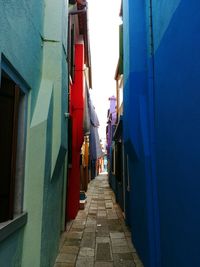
{"type": "Point", "coordinates": [77, 105]}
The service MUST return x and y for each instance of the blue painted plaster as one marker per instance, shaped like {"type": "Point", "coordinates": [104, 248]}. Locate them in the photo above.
{"type": "Point", "coordinates": [142, 212]}
{"type": "Point", "coordinates": [161, 122]}
{"type": "Point", "coordinates": [168, 8]}
{"type": "Point", "coordinates": [177, 99]}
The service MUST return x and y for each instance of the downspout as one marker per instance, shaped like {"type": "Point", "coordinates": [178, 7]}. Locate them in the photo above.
{"type": "Point", "coordinates": [156, 261]}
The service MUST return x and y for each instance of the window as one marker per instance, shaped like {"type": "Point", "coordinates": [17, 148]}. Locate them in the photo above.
{"type": "Point", "coordinates": [12, 147]}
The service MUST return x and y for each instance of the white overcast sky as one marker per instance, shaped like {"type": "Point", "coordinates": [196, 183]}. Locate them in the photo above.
{"type": "Point", "coordinates": [104, 41]}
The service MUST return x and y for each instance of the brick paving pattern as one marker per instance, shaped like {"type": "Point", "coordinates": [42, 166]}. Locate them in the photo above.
{"type": "Point", "coordinates": [98, 237]}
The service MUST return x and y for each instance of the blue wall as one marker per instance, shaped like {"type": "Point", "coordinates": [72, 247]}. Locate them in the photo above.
{"type": "Point", "coordinates": [161, 122]}
{"type": "Point", "coordinates": [141, 207]}
{"type": "Point", "coordinates": [177, 104]}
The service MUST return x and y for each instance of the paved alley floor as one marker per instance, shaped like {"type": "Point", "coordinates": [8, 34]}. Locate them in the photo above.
{"type": "Point", "coordinates": [98, 237]}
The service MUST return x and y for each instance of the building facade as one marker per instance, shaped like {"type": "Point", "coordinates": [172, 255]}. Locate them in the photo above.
{"type": "Point", "coordinates": [80, 81]}
{"type": "Point", "coordinates": [33, 133]}
{"type": "Point", "coordinates": [120, 190]}
{"type": "Point", "coordinates": [161, 130]}
{"type": "Point", "coordinates": [111, 125]}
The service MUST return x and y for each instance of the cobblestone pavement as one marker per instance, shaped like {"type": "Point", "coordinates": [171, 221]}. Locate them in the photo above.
{"type": "Point", "coordinates": [98, 237]}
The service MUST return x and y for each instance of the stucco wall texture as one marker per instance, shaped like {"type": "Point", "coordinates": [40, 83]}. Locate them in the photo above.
{"type": "Point", "coordinates": [33, 39]}
{"type": "Point", "coordinates": [161, 122]}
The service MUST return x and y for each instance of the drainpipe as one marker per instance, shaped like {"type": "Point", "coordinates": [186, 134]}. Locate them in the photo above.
{"type": "Point", "coordinates": [156, 261]}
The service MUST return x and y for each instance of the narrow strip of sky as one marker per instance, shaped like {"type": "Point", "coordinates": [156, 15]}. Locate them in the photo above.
{"type": "Point", "coordinates": [104, 40]}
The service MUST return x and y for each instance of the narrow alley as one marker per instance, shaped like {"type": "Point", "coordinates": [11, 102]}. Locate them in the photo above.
{"type": "Point", "coordinates": [99, 133]}
{"type": "Point", "coordinates": [98, 236]}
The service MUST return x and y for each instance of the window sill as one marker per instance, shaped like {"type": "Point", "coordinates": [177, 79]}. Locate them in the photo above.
{"type": "Point", "coordinates": [9, 227]}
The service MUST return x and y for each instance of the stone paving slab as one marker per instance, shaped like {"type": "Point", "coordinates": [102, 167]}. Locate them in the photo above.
{"type": "Point", "coordinates": [117, 235]}
{"type": "Point", "coordinates": [66, 258]}
{"type": "Point", "coordinates": [103, 252]}
{"type": "Point", "coordinates": [86, 252]}
{"type": "Point", "coordinates": [69, 249]}
{"type": "Point", "coordinates": [74, 235]}
{"type": "Point", "coordinates": [116, 242]}
{"type": "Point", "coordinates": [85, 262]}
{"type": "Point", "coordinates": [102, 240]}
{"type": "Point", "coordinates": [72, 242]}
{"type": "Point", "coordinates": [121, 249]}
{"type": "Point", "coordinates": [125, 263]}
{"type": "Point", "coordinates": [103, 264]}
{"type": "Point", "coordinates": [64, 265]}
{"type": "Point", "coordinates": [98, 237]}
{"type": "Point", "coordinates": [90, 229]}
{"type": "Point", "coordinates": [88, 240]}
{"type": "Point", "coordinates": [122, 256]}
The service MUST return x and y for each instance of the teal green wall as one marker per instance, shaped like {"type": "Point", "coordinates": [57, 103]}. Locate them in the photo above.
{"type": "Point", "coordinates": [48, 143]}
{"type": "Point", "coordinates": [21, 39]}
{"type": "Point", "coordinates": [11, 250]}
{"type": "Point", "coordinates": [33, 37]}
{"type": "Point", "coordinates": [20, 42]}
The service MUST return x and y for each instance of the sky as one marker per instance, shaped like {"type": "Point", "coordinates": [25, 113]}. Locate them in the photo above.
{"type": "Point", "coordinates": [104, 23]}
